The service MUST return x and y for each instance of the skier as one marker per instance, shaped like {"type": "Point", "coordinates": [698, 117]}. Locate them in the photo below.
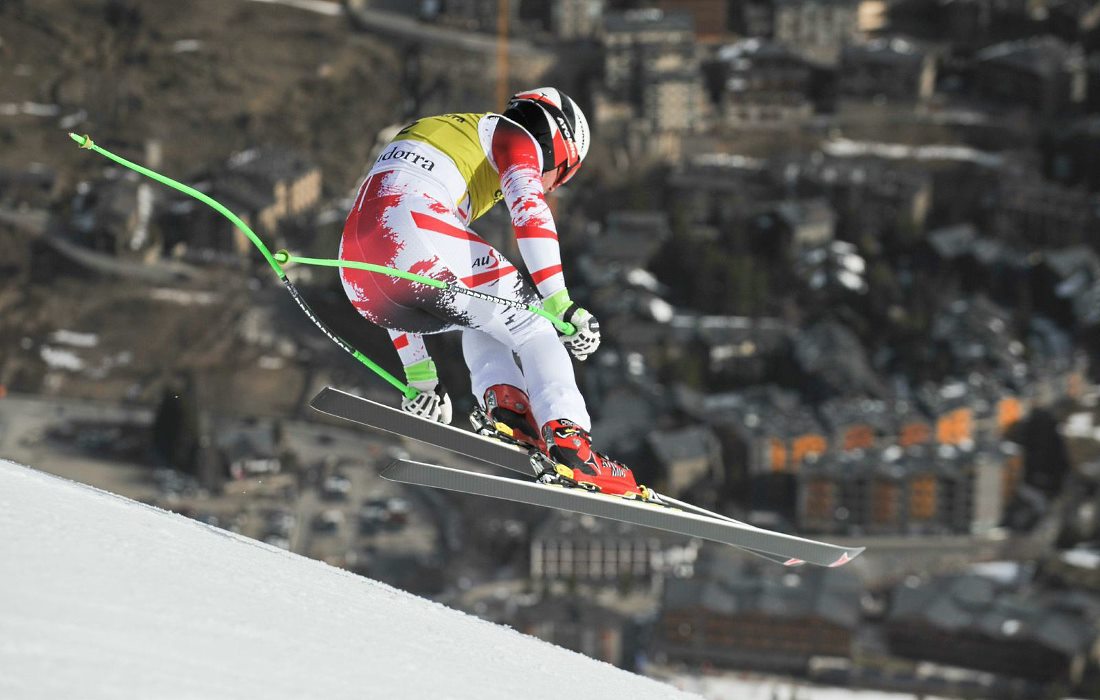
{"type": "Point", "coordinates": [413, 212]}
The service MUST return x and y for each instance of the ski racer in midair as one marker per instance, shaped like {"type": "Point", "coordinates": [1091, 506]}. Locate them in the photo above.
{"type": "Point", "coordinates": [414, 211]}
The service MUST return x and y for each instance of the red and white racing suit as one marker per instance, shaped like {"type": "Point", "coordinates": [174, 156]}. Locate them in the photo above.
{"type": "Point", "coordinates": [413, 213]}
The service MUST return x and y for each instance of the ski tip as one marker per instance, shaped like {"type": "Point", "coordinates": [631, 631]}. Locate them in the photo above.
{"type": "Point", "coordinates": [846, 557]}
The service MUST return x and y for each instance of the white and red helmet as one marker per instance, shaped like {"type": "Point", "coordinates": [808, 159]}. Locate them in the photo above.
{"type": "Point", "coordinates": [557, 124]}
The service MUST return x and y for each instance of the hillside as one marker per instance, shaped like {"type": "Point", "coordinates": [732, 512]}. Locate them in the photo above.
{"type": "Point", "coordinates": [103, 597]}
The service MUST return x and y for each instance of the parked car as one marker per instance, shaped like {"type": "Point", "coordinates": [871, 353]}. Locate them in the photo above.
{"type": "Point", "coordinates": [280, 522]}
{"type": "Point", "coordinates": [328, 522]}
{"type": "Point", "coordinates": [335, 487]}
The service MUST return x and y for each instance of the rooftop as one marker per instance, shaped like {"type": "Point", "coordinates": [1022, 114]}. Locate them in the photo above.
{"type": "Point", "coordinates": [726, 583]}
{"type": "Point", "coordinates": [695, 442]}
{"type": "Point", "coordinates": [648, 20]}
{"type": "Point", "coordinates": [1065, 622]}
{"type": "Point", "coordinates": [269, 163]}
{"type": "Point", "coordinates": [1045, 55]}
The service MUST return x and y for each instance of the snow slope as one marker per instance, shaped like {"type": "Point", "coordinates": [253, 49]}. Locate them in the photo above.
{"type": "Point", "coordinates": [103, 597]}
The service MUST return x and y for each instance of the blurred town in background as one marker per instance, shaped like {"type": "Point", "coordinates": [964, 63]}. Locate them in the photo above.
{"type": "Point", "coordinates": [844, 253]}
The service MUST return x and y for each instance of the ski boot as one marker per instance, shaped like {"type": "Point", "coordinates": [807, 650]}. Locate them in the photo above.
{"type": "Point", "coordinates": [569, 448]}
{"type": "Point", "coordinates": [507, 417]}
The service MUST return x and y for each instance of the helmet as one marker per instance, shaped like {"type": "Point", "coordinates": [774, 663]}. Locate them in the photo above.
{"type": "Point", "coordinates": [558, 126]}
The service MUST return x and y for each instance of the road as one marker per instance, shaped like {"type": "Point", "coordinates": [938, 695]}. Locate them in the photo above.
{"type": "Point", "coordinates": [321, 7]}
{"type": "Point", "coordinates": [24, 421]}
{"type": "Point", "coordinates": [397, 26]}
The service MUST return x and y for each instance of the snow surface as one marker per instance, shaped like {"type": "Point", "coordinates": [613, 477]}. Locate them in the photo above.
{"type": "Point", "coordinates": [104, 597]}
{"type": "Point", "coordinates": [749, 687]}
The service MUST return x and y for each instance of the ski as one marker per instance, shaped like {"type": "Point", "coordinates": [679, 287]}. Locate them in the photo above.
{"type": "Point", "coordinates": [371, 414]}
{"type": "Point", "coordinates": [778, 547]}
{"type": "Point", "coordinates": [391, 420]}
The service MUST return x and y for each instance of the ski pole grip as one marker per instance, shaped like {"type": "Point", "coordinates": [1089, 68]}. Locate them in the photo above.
{"type": "Point", "coordinates": [565, 327]}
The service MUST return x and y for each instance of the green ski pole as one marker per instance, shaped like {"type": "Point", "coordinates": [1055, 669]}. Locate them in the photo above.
{"type": "Point", "coordinates": [86, 142]}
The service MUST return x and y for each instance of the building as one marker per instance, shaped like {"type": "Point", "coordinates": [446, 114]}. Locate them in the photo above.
{"type": "Point", "coordinates": [858, 423]}
{"type": "Point", "coordinates": [993, 625]}
{"type": "Point", "coordinates": [33, 186]}
{"type": "Point", "coordinates": [752, 18]}
{"type": "Point", "coordinates": [835, 269]}
{"type": "Point", "coordinates": [737, 613]}
{"type": "Point", "coordinates": [952, 409]}
{"type": "Point", "coordinates": [577, 19]}
{"type": "Point", "coordinates": [959, 257]}
{"type": "Point", "coordinates": [115, 216]}
{"type": "Point", "coordinates": [686, 457]}
{"type": "Point", "coordinates": [1065, 282]}
{"type": "Point", "coordinates": [971, 488]}
{"type": "Point", "coordinates": [761, 83]}
{"type": "Point", "coordinates": [733, 350]}
{"type": "Point", "coordinates": [872, 17]}
{"type": "Point", "coordinates": [476, 15]}
{"type": "Point", "coordinates": [973, 24]}
{"type": "Point", "coordinates": [638, 43]}
{"type": "Point", "coordinates": [834, 362]}
{"type": "Point", "coordinates": [892, 69]}
{"type": "Point", "coordinates": [817, 30]}
{"type": "Point", "coordinates": [979, 340]}
{"type": "Point", "coordinates": [630, 239]}
{"type": "Point", "coordinates": [1031, 212]}
{"type": "Point", "coordinates": [912, 491]}
{"type": "Point", "coordinates": [1073, 154]}
{"type": "Point", "coordinates": [1042, 74]}
{"type": "Point", "coordinates": [581, 549]}
{"type": "Point", "coordinates": [912, 425]}
{"type": "Point", "coordinates": [652, 83]}
{"type": "Point", "coordinates": [1075, 568]}
{"type": "Point", "coordinates": [806, 223]}
{"type": "Point", "coordinates": [766, 429]}
{"type": "Point", "coordinates": [767, 436]}
{"type": "Point", "coordinates": [713, 192]}
{"type": "Point", "coordinates": [873, 197]}
{"type": "Point", "coordinates": [264, 186]}
{"type": "Point", "coordinates": [710, 18]}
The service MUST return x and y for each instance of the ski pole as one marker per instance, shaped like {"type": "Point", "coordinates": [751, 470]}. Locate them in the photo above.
{"type": "Point", "coordinates": [86, 142]}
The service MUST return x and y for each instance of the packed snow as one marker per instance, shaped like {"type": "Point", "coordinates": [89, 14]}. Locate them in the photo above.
{"type": "Point", "coordinates": [104, 597]}
{"type": "Point", "coordinates": [732, 686]}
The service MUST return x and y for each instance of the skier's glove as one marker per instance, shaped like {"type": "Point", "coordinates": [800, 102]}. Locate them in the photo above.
{"type": "Point", "coordinates": [587, 336]}
{"type": "Point", "coordinates": [432, 402]}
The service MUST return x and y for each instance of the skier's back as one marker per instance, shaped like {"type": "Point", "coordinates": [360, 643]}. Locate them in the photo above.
{"type": "Point", "coordinates": [437, 176]}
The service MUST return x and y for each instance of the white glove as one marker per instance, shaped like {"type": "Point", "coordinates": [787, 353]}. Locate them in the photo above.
{"type": "Point", "coordinates": [432, 403]}
{"type": "Point", "coordinates": [587, 338]}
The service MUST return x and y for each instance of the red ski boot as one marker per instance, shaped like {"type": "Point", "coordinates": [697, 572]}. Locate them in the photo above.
{"type": "Point", "coordinates": [570, 447]}
{"type": "Point", "coordinates": [509, 410]}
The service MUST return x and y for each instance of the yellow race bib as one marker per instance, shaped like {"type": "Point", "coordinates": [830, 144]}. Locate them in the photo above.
{"type": "Point", "coordinates": [457, 136]}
